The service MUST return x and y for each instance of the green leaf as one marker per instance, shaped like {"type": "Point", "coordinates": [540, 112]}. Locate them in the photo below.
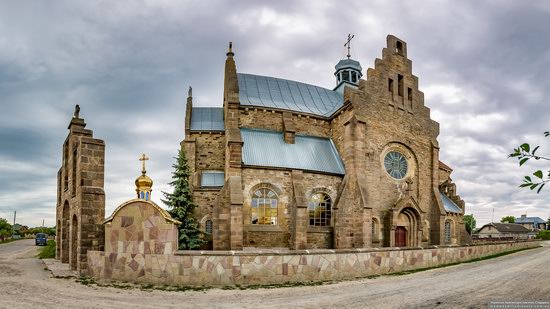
{"type": "Point", "coordinates": [533, 186]}
{"type": "Point", "coordinates": [525, 185]}
{"type": "Point", "coordinates": [538, 174]}
{"type": "Point", "coordinates": [528, 178]}
{"type": "Point", "coordinates": [522, 161]}
{"type": "Point", "coordinates": [525, 147]}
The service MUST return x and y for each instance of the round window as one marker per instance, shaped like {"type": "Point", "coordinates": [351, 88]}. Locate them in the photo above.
{"type": "Point", "coordinates": [395, 164]}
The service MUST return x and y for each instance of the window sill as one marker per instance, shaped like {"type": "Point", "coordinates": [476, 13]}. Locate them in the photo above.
{"type": "Point", "coordinates": [262, 228]}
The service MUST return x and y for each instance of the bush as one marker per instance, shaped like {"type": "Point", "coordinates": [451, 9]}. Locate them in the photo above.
{"type": "Point", "coordinates": [48, 252]}
{"type": "Point", "coordinates": [544, 235]}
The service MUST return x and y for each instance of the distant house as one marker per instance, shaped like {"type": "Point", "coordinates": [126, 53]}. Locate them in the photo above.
{"type": "Point", "coordinates": [534, 224]}
{"type": "Point", "coordinates": [503, 231]}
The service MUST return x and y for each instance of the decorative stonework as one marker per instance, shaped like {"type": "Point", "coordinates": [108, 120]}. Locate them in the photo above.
{"type": "Point", "coordinates": [80, 208]}
{"type": "Point", "coordinates": [141, 227]}
{"type": "Point", "coordinates": [223, 268]}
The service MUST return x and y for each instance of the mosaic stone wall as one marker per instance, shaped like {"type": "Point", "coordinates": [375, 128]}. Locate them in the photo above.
{"type": "Point", "coordinates": [140, 227]}
{"type": "Point", "coordinates": [220, 268]}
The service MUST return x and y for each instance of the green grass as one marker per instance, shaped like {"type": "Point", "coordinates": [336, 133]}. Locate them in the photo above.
{"type": "Point", "coordinates": [47, 252]}
{"type": "Point", "coordinates": [7, 240]}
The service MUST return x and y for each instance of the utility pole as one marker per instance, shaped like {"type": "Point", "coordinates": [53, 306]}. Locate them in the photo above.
{"type": "Point", "coordinates": [14, 214]}
{"type": "Point", "coordinates": [42, 223]}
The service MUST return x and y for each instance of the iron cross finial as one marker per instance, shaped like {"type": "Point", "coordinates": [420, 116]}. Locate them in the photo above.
{"type": "Point", "coordinates": [143, 158]}
{"type": "Point", "coordinates": [348, 43]}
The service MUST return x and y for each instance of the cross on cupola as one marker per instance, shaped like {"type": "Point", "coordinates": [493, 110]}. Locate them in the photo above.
{"type": "Point", "coordinates": [144, 184]}
{"type": "Point", "coordinates": [348, 71]}
{"type": "Point", "coordinates": [348, 43]}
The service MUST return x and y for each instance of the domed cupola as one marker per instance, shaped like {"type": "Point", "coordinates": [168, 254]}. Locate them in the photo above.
{"type": "Point", "coordinates": [144, 183]}
{"type": "Point", "coordinates": [348, 71]}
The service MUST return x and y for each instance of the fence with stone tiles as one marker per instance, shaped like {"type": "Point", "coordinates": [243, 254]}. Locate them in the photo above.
{"type": "Point", "coordinates": [221, 268]}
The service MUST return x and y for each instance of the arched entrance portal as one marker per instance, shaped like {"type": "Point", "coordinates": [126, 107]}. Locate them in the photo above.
{"type": "Point", "coordinates": [74, 242]}
{"type": "Point", "coordinates": [65, 233]}
{"type": "Point", "coordinates": [407, 229]}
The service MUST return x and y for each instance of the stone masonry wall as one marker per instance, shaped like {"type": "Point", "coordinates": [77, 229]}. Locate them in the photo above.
{"type": "Point", "coordinates": [203, 268]}
{"type": "Point", "coordinates": [280, 181]}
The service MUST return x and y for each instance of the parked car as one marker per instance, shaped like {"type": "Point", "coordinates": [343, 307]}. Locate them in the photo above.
{"type": "Point", "coordinates": [41, 239]}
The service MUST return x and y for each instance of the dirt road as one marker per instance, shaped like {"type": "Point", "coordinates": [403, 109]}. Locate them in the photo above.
{"type": "Point", "coordinates": [24, 283]}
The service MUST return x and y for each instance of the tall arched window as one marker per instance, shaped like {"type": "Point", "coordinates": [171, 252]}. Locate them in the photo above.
{"type": "Point", "coordinates": [447, 231]}
{"type": "Point", "coordinates": [264, 207]}
{"type": "Point", "coordinates": [319, 209]}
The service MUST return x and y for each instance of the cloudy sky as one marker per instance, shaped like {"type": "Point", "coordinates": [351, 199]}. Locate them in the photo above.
{"type": "Point", "coordinates": [483, 67]}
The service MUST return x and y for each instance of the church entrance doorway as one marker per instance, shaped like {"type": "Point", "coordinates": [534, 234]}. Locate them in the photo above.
{"type": "Point", "coordinates": [400, 236]}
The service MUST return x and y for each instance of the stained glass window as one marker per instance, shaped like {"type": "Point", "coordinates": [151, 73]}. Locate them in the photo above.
{"type": "Point", "coordinates": [319, 209]}
{"type": "Point", "coordinates": [264, 207]}
{"type": "Point", "coordinates": [395, 164]}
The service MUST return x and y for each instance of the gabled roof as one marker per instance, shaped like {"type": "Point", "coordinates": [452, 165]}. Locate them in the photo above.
{"type": "Point", "coordinates": [449, 205]}
{"type": "Point", "coordinates": [268, 148]}
{"type": "Point", "coordinates": [271, 92]}
{"type": "Point", "coordinates": [207, 119]}
{"type": "Point", "coordinates": [508, 227]}
{"type": "Point", "coordinates": [536, 220]}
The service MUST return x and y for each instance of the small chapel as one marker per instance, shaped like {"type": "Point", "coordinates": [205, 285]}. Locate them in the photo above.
{"type": "Point", "coordinates": [288, 165]}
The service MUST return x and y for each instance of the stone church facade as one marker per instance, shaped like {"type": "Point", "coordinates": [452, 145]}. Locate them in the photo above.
{"type": "Point", "coordinates": [283, 164]}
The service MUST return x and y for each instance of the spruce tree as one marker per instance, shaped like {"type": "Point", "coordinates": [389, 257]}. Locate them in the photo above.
{"type": "Point", "coordinates": [181, 206]}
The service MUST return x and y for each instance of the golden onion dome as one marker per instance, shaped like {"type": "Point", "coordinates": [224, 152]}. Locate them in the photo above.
{"type": "Point", "coordinates": [144, 183]}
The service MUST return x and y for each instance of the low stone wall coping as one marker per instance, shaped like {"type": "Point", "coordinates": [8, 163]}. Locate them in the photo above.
{"type": "Point", "coordinates": [276, 252]}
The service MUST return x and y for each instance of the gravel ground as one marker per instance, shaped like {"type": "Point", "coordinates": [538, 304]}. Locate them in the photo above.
{"type": "Point", "coordinates": [522, 276]}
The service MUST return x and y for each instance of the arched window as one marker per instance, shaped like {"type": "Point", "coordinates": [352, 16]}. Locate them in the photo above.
{"type": "Point", "coordinates": [447, 231]}
{"type": "Point", "coordinates": [264, 207]}
{"type": "Point", "coordinates": [319, 209]}
{"type": "Point", "coordinates": [208, 226]}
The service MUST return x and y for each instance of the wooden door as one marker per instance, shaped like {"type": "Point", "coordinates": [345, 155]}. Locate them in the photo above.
{"type": "Point", "coordinates": [400, 237]}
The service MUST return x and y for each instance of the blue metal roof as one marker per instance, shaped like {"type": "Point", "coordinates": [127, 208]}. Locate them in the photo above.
{"type": "Point", "coordinates": [264, 91]}
{"type": "Point", "coordinates": [449, 205]}
{"type": "Point", "coordinates": [207, 119]}
{"type": "Point", "coordinates": [212, 179]}
{"type": "Point", "coordinates": [268, 148]}
{"type": "Point", "coordinates": [529, 220]}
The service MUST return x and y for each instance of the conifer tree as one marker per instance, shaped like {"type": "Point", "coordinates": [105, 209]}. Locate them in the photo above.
{"type": "Point", "coordinates": [181, 206]}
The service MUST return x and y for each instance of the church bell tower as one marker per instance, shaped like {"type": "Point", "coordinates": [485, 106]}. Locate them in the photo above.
{"type": "Point", "coordinates": [348, 71]}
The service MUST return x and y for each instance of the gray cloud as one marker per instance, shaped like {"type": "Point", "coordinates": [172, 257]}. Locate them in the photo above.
{"type": "Point", "coordinates": [482, 67]}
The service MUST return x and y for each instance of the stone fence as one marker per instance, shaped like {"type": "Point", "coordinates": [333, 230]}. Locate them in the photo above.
{"type": "Point", "coordinates": [222, 268]}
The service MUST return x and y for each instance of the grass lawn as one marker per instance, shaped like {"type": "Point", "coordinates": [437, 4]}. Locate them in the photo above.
{"type": "Point", "coordinates": [48, 252]}
{"type": "Point", "coordinates": [7, 240]}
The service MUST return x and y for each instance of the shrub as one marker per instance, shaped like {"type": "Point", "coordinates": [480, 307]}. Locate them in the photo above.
{"type": "Point", "coordinates": [544, 235]}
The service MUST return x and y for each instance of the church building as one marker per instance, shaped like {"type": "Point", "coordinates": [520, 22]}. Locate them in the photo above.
{"type": "Point", "coordinates": [288, 165]}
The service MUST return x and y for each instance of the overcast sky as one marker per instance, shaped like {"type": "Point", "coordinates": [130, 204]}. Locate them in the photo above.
{"type": "Point", "coordinates": [483, 67]}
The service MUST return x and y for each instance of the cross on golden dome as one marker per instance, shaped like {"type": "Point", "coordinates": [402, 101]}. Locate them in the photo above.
{"type": "Point", "coordinates": [143, 158]}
